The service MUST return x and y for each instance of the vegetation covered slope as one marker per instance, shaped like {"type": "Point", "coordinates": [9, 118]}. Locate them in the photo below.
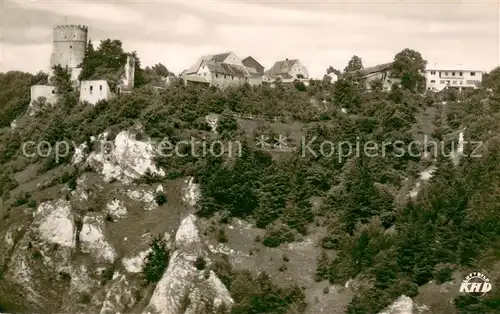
{"type": "Point", "coordinates": [395, 244]}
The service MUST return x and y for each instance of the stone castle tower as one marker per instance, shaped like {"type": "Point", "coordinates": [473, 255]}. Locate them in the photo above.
{"type": "Point", "coordinates": [69, 45]}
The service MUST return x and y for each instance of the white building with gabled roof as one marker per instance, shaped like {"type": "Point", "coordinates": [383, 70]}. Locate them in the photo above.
{"type": "Point", "coordinates": [221, 70]}
{"type": "Point", "coordinates": [288, 69]}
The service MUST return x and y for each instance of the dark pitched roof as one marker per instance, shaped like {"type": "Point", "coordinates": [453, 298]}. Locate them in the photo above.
{"type": "Point", "coordinates": [226, 69]}
{"type": "Point", "coordinates": [374, 69]}
{"type": "Point", "coordinates": [196, 78]}
{"type": "Point", "coordinates": [282, 67]}
{"type": "Point", "coordinates": [220, 57]}
{"type": "Point", "coordinates": [217, 58]}
{"type": "Point", "coordinates": [250, 62]}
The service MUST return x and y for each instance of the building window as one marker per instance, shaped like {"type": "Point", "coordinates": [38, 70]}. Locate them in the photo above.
{"type": "Point", "coordinates": [452, 73]}
{"type": "Point", "coordinates": [461, 82]}
{"type": "Point", "coordinates": [433, 81]}
{"type": "Point", "coordinates": [70, 47]}
{"type": "Point", "coordinates": [53, 91]}
{"type": "Point", "coordinates": [216, 75]}
{"type": "Point", "coordinates": [441, 82]}
{"type": "Point", "coordinates": [91, 88]}
{"type": "Point", "coordinates": [472, 73]}
{"type": "Point", "coordinates": [446, 73]}
{"type": "Point", "coordinates": [461, 73]}
{"type": "Point", "coordinates": [454, 82]}
{"type": "Point", "coordinates": [100, 87]}
{"type": "Point", "coordinates": [433, 72]}
{"type": "Point", "coordinates": [224, 76]}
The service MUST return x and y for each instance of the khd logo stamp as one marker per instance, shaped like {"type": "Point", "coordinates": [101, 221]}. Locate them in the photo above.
{"type": "Point", "coordinates": [475, 284]}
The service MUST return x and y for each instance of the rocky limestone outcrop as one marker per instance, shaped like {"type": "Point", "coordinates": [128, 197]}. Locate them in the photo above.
{"type": "Point", "coordinates": [404, 305]}
{"type": "Point", "coordinates": [93, 239]}
{"type": "Point", "coordinates": [39, 266]}
{"type": "Point", "coordinates": [119, 295]}
{"type": "Point", "coordinates": [124, 159]}
{"type": "Point", "coordinates": [184, 288]}
{"type": "Point", "coordinates": [62, 259]}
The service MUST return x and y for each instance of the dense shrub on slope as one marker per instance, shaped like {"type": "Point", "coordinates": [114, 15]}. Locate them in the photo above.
{"type": "Point", "coordinates": [257, 294]}
{"type": "Point", "coordinates": [15, 94]}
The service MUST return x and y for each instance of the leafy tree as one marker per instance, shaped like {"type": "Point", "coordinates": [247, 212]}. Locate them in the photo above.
{"type": "Point", "coordinates": [257, 294]}
{"type": "Point", "coordinates": [331, 70]}
{"type": "Point", "coordinates": [40, 78]}
{"type": "Point", "coordinates": [158, 69]}
{"type": "Point", "coordinates": [90, 62]}
{"type": "Point", "coordinates": [200, 263]}
{"type": "Point", "coordinates": [278, 234]}
{"type": "Point", "coordinates": [227, 122]}
{"type": "Point", "coordinates": [273, 195]}
{"type": "Point", "coordinates": [409, 66]}
{"type": "Point", "coordinates": [355, 64]}
{"type": "Point", "coordinates": [111, 54]}
{"type": "Point", "coordinates": [61, 80]}
{"type": "Point", "coordinates": [156, 261]}
{"type": "Point", "coordinates": [334, 71]}
{"type": "Point", "coordinates": [160, 199]}
{"type": "Point", "coordinates": [361, 199]}
{"type": "Point", "coordinates": [15, 94]}
{"type": "Point", "coordinates": [108, 62]}
{"type": "Point", "coordinates": [347, 93]}
{"type": "Point", "coordinates": [492, 80]}
{"type": "Point", "coordinates": [300, 86]}
{"type": "Point", "coordinates": [156, 74]}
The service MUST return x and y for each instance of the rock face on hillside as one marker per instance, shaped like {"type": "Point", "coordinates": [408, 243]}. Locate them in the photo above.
{"type": "Point", "coordinates": [79, 253]}
{"type": "Point", "coordinates": [184, 288]}
{"type": "Point", "coordinates": [42, 253]}
{"type": "Point", "coordinates": [125, 158]}
{"type": "Point", "coordinates": [404, 305]}
{"type": "Point", "coordinates": [48, 249]}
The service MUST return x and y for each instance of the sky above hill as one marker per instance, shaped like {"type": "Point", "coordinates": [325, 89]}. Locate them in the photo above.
{"type": "Point", "coordinates": [320, 33]}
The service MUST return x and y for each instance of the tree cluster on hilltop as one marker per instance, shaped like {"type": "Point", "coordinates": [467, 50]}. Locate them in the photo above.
{"type": "Point", "coordinates": [452, 224]}
{"type": "Point", "coordinates": [408, 66]}
{"type": "Point", "coordinates": [107, 62]}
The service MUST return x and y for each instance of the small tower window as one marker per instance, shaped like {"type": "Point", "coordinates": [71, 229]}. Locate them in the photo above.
{"type": "Point", "coordinates": [91, 87]}
{"type": "Point", "coordinates": [100, 87]}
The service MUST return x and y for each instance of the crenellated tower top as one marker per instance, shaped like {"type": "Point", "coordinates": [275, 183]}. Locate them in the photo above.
{"type": "Point", "coordinates": [71, 32]}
